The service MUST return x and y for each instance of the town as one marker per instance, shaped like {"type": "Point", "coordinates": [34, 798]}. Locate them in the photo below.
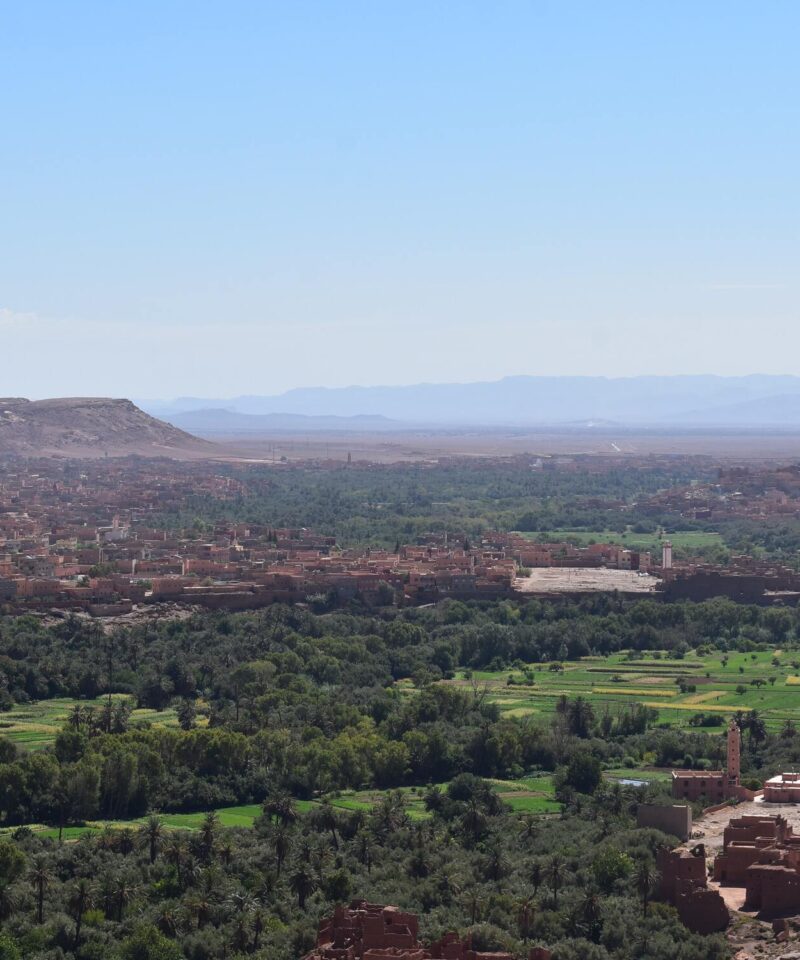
{"type": "Point", "coordinates": [87, 538]}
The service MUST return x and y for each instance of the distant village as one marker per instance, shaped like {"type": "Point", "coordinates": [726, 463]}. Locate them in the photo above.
{"type": "Point", "coordinates": [84, 539]}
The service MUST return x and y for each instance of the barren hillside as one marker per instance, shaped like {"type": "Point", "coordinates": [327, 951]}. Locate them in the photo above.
{"type": "Point", "coordinates": [90, 427]}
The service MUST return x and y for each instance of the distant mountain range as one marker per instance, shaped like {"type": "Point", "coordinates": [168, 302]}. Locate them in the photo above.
{"type": "Point", "coordinates": [688, 401]}
{"type": "Point", "coordinates": [213, 422]}
{"type": "Point", "coordinates": [90, 427]}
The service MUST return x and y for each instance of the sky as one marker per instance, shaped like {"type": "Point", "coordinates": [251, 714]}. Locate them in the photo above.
{"type": "Point", "coordinates": [213, 199]}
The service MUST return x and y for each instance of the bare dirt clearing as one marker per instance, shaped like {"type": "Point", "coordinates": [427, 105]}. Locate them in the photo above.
{"type": "Point", "coordinates": [584, 580]}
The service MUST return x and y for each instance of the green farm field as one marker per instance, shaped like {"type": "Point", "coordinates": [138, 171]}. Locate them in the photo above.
{"type": "Point", "coordinates": [770, 682]}
{"type": "Point", "coordinates": [34, 726]}
{"type": "Point", "coordinates": [530, 795]}
{"type": "Point", "coordinates": [689, 540]}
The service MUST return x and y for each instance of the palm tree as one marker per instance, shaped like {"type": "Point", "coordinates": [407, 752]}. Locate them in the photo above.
{"type": "Point", "coordinates": [473, 820]}
{"type": "Point", "coordinates": [756, 727]}
{"type": "Point", "coordinates": [124, 892]}
{"type": "Point", "coordinates": [151, 833]}
{"type": "Point", "coordinates": [107, 838]}
{"type": "Point", "coordinates": [241, 933]}
{"type": "Point", "coordinates": [645, 880]}
{"type": "Point", "coordinates": [302, 883]}
{"type": "Point", "coordinates": [258, 927]}
{"type": "Point", "coordinates": [41, 878]}
{"type": "Point", "coordinates": [126, 841]}
{"type": "Point", "coordinates": [282, 845]}
{"type": "Point", "coordinates": [419, 865]}
{"type": "Point", "coordinates": [581, 717]}
{"type": "Point", "coordinates": [555, 872]}
{"type": "Point", "coordinates": [614, 799]}
{"type": "Point", "coordinates": [536, 876]}
{"type": "Point", "coordinates": [473, 902]}
{"type": "Point", "coordinates": [390, 814]}
{"type": "Point", "coordinates": [167, 921]}
{"type": "Point", "coordinates": [495, 864]}
{"type": "Point", "coordinates": [449, 885]}
{"type": "Point", "coordinates": [208, 833]}
{"type": "Point", "coordinates": [200, 907]}
{"type": "Point", "coordinates": [327, 821]}
{"type": "Point", "coordinates": [90, 720]}
{"type": "Point", "coordinates": [192, 872]}
{"type": "Point", "coordinates": [527, 822]}
{"type": "Point", "coordinates": [175, 854]}
{"type": "Point", "coordinates": [526, 911]}
{"type": "Point", "coordinates": [75, 717]}
{"type": "Point", "coordinates": [590, 915]}
{"type": "Point", "coordinates": [282, 808]}
{"type": "Point", "coordinates": [319, 857]}
{"type": "Point", "coordinates": [79, 901]}
{"type": "Point", "coordinates": [104, 895]}
{"type": "Point", "coordinates": [8, 901]}
{"type": "Point", "coordinates": [240, 901]}
{"type": "Point", "coordinates": [365, 840]}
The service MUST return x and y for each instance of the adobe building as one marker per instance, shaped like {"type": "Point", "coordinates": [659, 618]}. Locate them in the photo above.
{"type": "Point", "coordinates": [715, 786]}
{"type": "Point", "coordinates": [763, 855]}
{"type": "Point", "coordinates": [667, 817]}
{"type": "Point", "coordinates": [684, 884]}
{"type": "Point", "coordinates": [783, 788]}
{"type": "Point", "coordinates": [369, 931]}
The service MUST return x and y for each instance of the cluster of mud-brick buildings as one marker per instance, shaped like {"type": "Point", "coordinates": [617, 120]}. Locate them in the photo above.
{"type": "Point", "coordinates": [369, 931]}
{"type": "Point", "coordinates": [760, 854]}
{"type": "Point", "coordinates": [683, 882]}
{"type": "Point", "coordinates": [739, 491]}
{"type": "Point", "coordinates": [88, 539]}
{"type": "Point", "coordinates": [88, 535]}
{"type": "Point", "coordinates": [531, 553]}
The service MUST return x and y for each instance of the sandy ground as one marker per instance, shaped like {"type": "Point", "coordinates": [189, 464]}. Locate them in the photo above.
{"type": "Point", "coordinates": [430, 444]}
{"type": "Point", "coordinates": [584, 579]}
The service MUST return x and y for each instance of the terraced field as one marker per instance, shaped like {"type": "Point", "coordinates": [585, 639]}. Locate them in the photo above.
{"type": "Point", "coordinates": [766, 681]}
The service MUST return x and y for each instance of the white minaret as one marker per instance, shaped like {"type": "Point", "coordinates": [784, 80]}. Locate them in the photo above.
{"type": "Point", "coordinates": [666, 555]}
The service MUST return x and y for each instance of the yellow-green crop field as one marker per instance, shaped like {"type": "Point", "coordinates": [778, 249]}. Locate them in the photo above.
{"type": "Point", "coordinates": [767, 681]}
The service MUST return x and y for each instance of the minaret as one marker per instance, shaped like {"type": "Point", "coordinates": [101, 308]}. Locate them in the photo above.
{"type": "Point", "coordinates": [666, 555]}
{"type": "Point", "coordinates": [734, 751]}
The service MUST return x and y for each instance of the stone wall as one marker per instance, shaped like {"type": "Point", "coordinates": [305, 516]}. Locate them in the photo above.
{"type": "Point", "coordinates": [670, 818]}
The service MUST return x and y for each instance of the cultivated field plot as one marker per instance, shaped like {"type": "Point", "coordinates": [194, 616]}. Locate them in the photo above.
{"type": "Point", "coordinates": [35, 725]}
{"type": "Point", "coordinates": [768, 682]}
{"type": "Point", "coordinates": [530, 795]}
{"type": "Point", "coordinates": [682, 539]}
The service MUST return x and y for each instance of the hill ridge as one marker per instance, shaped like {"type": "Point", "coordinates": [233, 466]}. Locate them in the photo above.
{"type": "Point", "coordinates": [90, 427]}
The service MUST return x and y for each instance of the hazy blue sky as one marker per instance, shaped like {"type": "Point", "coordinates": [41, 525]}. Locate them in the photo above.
{"type": "Point", "coordinates": [217, 198]}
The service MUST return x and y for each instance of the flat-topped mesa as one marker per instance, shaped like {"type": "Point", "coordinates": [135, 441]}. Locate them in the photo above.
{"type": "Point", "coordinates": [89, 427]}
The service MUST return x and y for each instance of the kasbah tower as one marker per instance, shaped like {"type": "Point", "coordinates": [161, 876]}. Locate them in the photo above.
{"type": "Point", "coordinates": [734, 755]}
